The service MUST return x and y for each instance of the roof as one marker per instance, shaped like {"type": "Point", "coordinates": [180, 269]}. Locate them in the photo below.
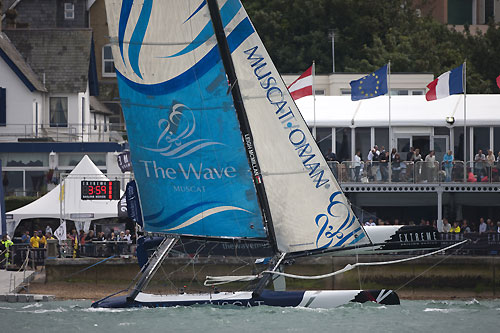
{"type": "Point", "coordinates": [60, 55]}
{"type": "Point", "coordinates": [340, 111]}
{"type": "Point", "coordinates": [16, 62]}
{"type": "Point", "coordinates": [97, 107]}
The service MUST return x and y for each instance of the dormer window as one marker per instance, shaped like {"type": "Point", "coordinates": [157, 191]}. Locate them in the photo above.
{"type": "Point", "coordinates": [69, 11]}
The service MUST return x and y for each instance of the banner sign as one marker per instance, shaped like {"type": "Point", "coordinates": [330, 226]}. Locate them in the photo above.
{"type": "Point", "coordinates": [133, 204]}
{"type": "Point", "coordinates": [124, 161]}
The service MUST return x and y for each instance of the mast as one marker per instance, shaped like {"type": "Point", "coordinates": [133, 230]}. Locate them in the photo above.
{"type": "Point", "coordinates": [242, 118]}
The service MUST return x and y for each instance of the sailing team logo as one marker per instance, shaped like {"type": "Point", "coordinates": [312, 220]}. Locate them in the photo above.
{"type": "Point", "coordinates": [176, 138]}
{"type": "Point", "coordinates": [329, 235]}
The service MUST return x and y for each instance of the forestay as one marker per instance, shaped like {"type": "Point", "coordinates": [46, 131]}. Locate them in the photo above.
{"type": "Point", "coordinates": [186, 147]}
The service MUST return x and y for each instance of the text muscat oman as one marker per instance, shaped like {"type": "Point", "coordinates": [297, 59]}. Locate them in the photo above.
{"type": "Point", "coordinates": [284, 113]}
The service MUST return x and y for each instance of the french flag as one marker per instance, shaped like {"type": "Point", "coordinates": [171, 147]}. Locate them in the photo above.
{"type": "Point", "coordinates": [449, 83]}
{"type": "Point", "coordinates": [303, 85]}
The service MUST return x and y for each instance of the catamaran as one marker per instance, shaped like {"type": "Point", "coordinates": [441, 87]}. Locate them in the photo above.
{"type": "Point", "coordinates": [220, 151]}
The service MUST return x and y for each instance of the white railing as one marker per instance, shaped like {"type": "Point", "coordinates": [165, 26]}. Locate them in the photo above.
{"type": "Point", "coordinates": [419, 172]}
{"type": "Point", "coordinates": [71, 132]}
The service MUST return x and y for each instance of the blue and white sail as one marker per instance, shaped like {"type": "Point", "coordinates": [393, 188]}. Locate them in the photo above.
{"type": "Point", "coordinates": [309, 210]}
{"type": "Point", "coordinates": [187, 150]}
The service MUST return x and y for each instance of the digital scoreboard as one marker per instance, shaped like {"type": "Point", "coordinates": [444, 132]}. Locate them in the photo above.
{"type": "Point", "coordinates": [100, 190]}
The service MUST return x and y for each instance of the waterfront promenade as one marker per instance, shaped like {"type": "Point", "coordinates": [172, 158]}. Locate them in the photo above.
{"type": "Point", "coordinates": [436, 277]}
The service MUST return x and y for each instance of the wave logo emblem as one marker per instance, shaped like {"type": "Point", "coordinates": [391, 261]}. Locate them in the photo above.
{"type": "Point", "coordinates": [176, 138]}
{"type": "Point", "coordinates": [329, 235]}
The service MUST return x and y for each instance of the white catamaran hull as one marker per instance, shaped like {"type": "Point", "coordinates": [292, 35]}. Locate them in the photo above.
{"type": "Point", "coordinates": [324, 299]}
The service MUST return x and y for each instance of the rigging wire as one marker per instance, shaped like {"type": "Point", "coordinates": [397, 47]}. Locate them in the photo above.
{"type": "Point", "coordinates": [431, 267]}
{"type": "Point", "coordinates": [217, 280]}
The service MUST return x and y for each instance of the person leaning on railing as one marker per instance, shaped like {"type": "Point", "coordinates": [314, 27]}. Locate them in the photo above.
{"type": "Point", "coordinates": [448, 165]}
{"type": "Point", "coordinates": [455, 228]}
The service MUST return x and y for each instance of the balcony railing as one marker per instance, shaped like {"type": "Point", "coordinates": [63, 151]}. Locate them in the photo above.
{"type": "Point", "coordinates": [419, 172]}
{"type": "Point", "coordinates": [71, 132]}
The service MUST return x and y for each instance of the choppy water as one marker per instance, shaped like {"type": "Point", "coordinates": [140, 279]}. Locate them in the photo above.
{"type": "Point", "coordinates": [411, 316]}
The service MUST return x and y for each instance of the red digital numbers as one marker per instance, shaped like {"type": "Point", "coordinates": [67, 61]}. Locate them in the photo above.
{"type": "Point", "coordinates": [100, 190]}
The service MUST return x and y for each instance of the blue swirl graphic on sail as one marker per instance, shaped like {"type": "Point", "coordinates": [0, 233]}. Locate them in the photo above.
{"type": "Point", "coordinates": [169, 219]}
{"type": "Point", "coordinates": [205, 214]}
{"type": "Point", "coordinates": [328, 234]}
{"type": "Point", "coordinates": [203, 3]}
{"type": "Point", "coordinates": [138, 36]}
{"type": "Point", "coordinates": [154, 215]}
{"type": "Point", "coordinates": [227, 12]}
{"type": "Point", "coordinates": [242, 31]}
{"type": "Point", "coordinates": [165, 224]}
{"type": "Point", "coordinates": [179, 127]}
{"type": "Point", "coordinates": [122, 24]}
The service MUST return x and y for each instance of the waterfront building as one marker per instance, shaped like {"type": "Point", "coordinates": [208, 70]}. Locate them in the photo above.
{"type": "Point", "coordinates": [50, 114]}
{"type": "Point", "coordinates": [412, 190]}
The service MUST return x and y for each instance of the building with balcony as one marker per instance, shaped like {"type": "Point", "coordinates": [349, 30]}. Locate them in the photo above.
{"type": "Point", "coordinates": [50, 114]}
{"type": "Point", "coordinates": [410, 190]}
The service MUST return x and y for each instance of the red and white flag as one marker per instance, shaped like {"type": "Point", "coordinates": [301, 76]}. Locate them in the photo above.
{"type": "Point", "coordinates": [498, 81]}
{"type": "Point", "coordinates": [303, 86]}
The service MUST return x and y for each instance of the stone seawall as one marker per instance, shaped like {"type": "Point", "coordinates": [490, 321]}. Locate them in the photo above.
{"type": "Point", "coordinates": [455, 275]}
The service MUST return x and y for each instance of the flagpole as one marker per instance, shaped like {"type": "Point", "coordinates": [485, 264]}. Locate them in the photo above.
{"type": "Point", "coordinates": [390, 128]}
{"type": "Point", "coordinates": [314, 99]}
{"type": "Point", "coordinates": [464, 78]}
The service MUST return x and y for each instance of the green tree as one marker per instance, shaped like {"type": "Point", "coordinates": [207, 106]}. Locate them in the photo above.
{"type": "Point", "coordinates": [369, 34]}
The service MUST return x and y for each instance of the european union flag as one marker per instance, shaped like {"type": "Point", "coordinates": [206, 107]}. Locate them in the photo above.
{"type": "Point", "coordinates": [372, 85]}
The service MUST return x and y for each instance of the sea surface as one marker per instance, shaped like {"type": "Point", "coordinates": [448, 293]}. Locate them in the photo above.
{"type": "Point", "coordinates": [411, 316]}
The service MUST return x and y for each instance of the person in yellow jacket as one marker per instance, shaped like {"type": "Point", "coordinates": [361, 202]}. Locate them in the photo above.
{"type": "Point", "coordinates": [455, 228]}
{"type": "Point", "coordinates": [6, 244]}
{"type": "Point", "coordinates": [35, 241]}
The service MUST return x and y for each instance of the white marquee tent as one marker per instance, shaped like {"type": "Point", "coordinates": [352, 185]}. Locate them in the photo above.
{"type": "Point", "coordinates": [64, 201]}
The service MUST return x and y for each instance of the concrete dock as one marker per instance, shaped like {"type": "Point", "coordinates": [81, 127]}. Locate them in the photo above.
{"type": "Point", "coordinates": [12, 282]}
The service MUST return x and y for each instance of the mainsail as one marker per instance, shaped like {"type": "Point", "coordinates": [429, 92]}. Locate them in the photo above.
{"type": "Point", "coordinates": [197, 173]}
{"type": "Point", "coordinates": [188, 156]}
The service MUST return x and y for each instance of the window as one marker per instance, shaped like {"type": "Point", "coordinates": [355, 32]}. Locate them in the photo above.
{"type": "Point", "coordinates": [481, 139]}
{"type": "Point", "coordinates": [489, 10]}
{"type": "Point", "coordinates": [363, 140]}
{"type": "Point", "coordinates": [31, 159]}
{"type": "Point", "coordinates": [319, 91]}
{"type": "Point", "coordinates": [345, 92]}
{"type": "Point", "coordinates": [382, 138]}
{"type": "Point", "coordinates": [324, 139]}
{"type": "Point", "coordinates": [3, 106]}
{"type": "Point", "coordinates": [496, 140]}
{"type": "Point", "coordinates": [69, 11]}
{"type": "Point", "coordinates": [68, 160]}
{"type": "Point", "coordinates": [108, 66]}
{"type": "Point", "coordinates": [460, 12]}
{"type": "Point", "coordinates": [417, 92]}
{"type": "Point", "coordinates": [343, 144]}
{"type": "Point", "coordinates": [59, 112]}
